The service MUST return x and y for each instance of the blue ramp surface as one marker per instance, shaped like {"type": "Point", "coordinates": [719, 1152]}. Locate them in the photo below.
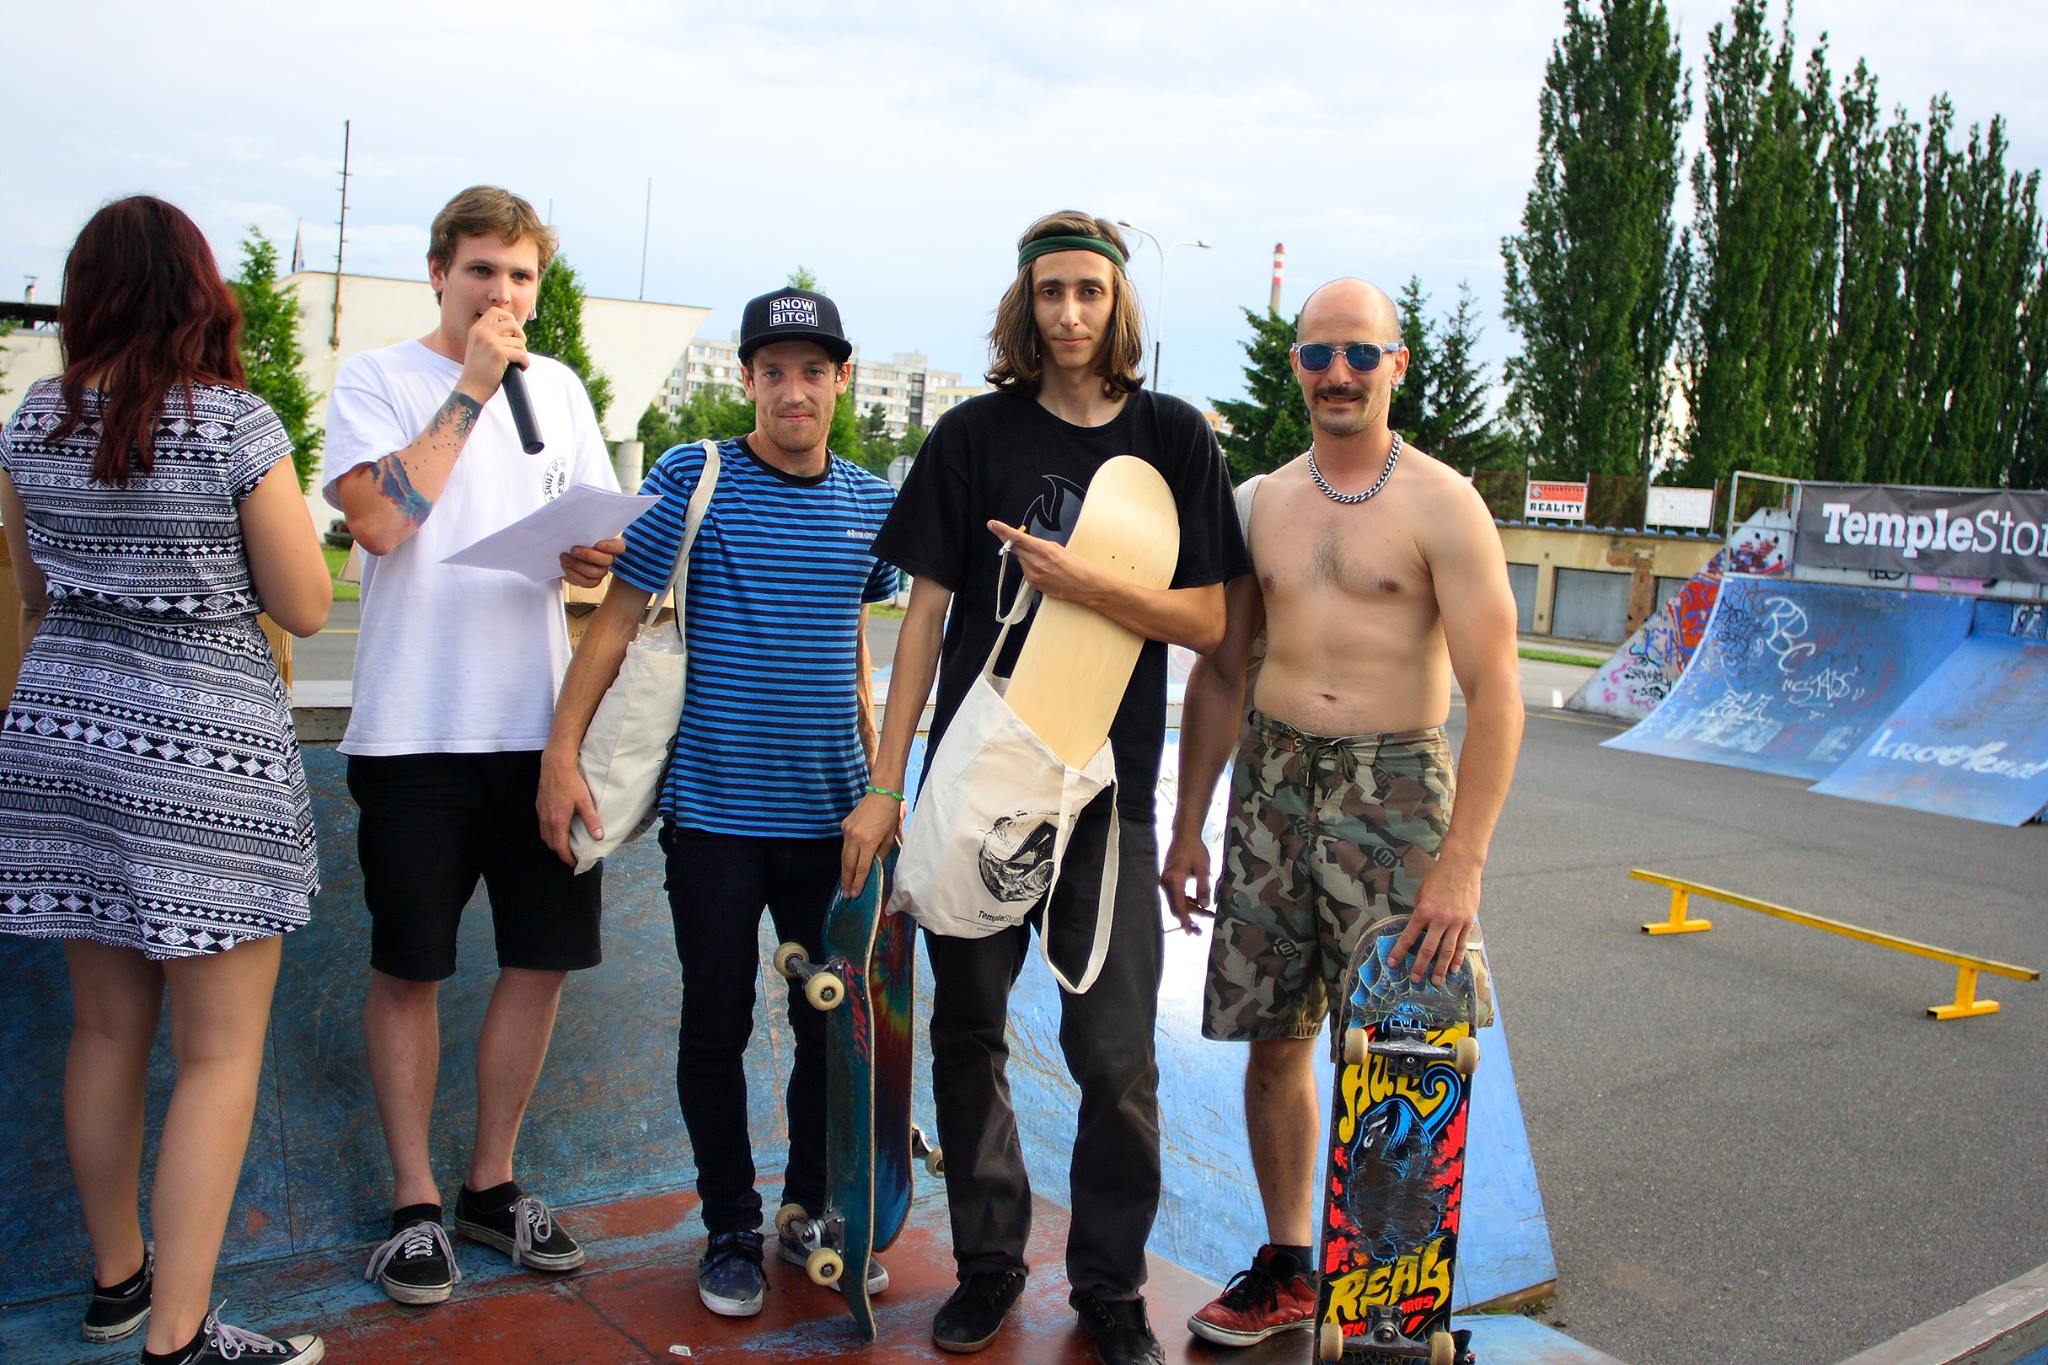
{"type": "Point", "coordinates": [1972, 741]}
{"type": "Point", "coordinates": [1793, 677]}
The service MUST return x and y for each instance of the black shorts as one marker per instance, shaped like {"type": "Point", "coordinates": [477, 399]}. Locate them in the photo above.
{"type": "Point", "coordinates": [429, 825]}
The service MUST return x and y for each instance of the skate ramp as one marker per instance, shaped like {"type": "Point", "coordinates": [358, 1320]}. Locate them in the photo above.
{"type": "Point", "coordinates": [1793, 677]}
{"type": "Point", "coordinates": [1639, 675]}
{"type": "Point", "coordinates": [1971, 741]}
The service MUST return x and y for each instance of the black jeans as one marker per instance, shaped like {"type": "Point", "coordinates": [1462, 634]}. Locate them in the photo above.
{"type": "Point", "coordinates": [1106, 1035]}
{"type": "Point", "coordinates": [717, 884]}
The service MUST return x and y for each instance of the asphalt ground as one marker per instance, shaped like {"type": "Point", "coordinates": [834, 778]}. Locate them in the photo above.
{"type": "Point", "coordinates": [1751, 1143]}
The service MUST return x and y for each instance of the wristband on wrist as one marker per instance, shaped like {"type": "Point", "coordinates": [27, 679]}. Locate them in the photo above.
{"type": "Point", "coordinates": [874, 790]}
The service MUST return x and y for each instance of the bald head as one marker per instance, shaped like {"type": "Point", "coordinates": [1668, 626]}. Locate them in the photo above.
{"type": "Point", "coordinates": [1350, 309]}
{"type": "Point", "coordinates": [1343, 401]}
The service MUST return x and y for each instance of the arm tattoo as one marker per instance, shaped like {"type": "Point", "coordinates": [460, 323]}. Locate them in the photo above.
{"type": "Point", "coordinates": [457, 415]}
{"type": "Point", "coordinates": [393, 483]}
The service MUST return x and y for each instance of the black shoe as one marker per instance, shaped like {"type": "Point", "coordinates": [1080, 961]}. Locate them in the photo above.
{"type": "Point", "coordinates": [220, 1343]}
{"type": "Point", "coordinates": [415, 1264]}
{"type": "Point", "coordinates": [1122, 1334]}
{"type": "Point", "coordinates": [972, 1317]}
{"type": "Point", "coordinates": [524, 1229]}
{"type": "Point", "coordinates": [111, 1315]}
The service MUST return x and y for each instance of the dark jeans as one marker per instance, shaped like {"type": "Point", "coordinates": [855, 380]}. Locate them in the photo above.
{"type": "Point", "coordinates": [717, 884]}
{"type": "Point", "coordinates": [1106, 1035]}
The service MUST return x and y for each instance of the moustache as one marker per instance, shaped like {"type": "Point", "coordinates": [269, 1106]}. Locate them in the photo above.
{"type": "Point", "coordinates": [1332, 391]}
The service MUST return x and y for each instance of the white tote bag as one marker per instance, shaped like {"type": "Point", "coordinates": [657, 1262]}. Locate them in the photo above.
{"type": "Point", "coordinates": [993, 820]}
{"type": "Point", "coordinates": [626, 749]}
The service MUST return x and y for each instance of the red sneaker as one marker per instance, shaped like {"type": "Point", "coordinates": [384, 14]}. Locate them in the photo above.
{"type": "Point", "coordinates": [1257, 1303]}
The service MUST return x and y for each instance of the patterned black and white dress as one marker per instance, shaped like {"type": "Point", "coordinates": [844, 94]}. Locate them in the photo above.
{"type": "Point", "coordinates": [151, 794]}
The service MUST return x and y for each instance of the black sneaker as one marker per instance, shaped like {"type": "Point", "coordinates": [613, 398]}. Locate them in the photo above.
{"type": "Point", "coordinates": [415, 1264]}
{"type": "Point", "coordinates": [116, 1313]}
{"type": "Point", "coordinates": [524, 1229]}
{"type": "Point", "coordinates": [971, 1318]}
{"type": "Point", "coordinates": [220, 1343]}
{"type": "Point", "coordinates": [729, 1278]}
{"type": "Point", "coordinates": [1122, 1334]}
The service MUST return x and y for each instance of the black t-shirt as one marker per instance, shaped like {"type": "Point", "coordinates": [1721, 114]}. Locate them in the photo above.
{"type": "Point", "coordinates": [1002, 457]}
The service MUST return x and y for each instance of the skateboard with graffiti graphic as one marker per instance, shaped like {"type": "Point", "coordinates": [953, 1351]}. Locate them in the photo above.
{"type": "Point", "coordinates": [864, 984]}
{"type": "Point", "coordinates": [1393, 1192]}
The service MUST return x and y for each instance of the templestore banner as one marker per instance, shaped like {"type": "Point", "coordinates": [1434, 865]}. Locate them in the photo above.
{"type": "Point", "coordinates": [1956, 532]}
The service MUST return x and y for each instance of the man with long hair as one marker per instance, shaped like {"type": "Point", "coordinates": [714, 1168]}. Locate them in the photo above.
{"type": "Point", "coordinates": [1378, 577]}
{"type": "Point", "coordinates": [455, 679]}
{"type": "Point", "coordinates": [1008, 471]}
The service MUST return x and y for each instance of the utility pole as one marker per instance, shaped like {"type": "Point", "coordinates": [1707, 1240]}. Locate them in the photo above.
{"type": "Point", "coordinates": [646, 223]}
{"type": "Point", "coordinates": [340, 241]}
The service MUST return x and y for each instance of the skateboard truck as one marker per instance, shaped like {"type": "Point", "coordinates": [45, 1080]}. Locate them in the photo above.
{"type": "Point", "coordinates": [1408, 1050]}
{"type": "Point", "coordinates": [921, 1148]}
{"type": "Point", "coordinates": [824, 986]}
{"type": "Point", "coordinates": [820, 1239]}
{"type": "Point", "coordinates": [1383, 1337]}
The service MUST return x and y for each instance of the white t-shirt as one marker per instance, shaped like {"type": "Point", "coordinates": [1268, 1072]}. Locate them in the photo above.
{"type": "Point", "coordinates": [450, 659]}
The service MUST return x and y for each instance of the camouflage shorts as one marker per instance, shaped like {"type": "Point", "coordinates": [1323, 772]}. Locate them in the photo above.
{"type": "Point", "coordinates": [1326, 836]}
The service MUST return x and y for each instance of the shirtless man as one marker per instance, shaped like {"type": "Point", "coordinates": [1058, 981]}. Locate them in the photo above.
{"type": "Point", "coordinates": [1377, 576]}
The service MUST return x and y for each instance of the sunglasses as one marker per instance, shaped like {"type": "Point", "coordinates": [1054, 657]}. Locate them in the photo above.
{"type": "Point", "coordinates": [1362, 356]}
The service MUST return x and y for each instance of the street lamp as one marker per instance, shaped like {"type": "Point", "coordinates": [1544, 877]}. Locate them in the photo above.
{"type": "Point", "coordinates": [1159, 314]}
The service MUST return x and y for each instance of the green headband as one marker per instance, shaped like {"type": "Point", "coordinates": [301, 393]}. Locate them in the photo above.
{"type": "Point", "coordinates": [1045, 246]}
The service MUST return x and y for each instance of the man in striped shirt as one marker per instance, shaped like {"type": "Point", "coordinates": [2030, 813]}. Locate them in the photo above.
{"type": "Point", "coordinates": [772, 752]}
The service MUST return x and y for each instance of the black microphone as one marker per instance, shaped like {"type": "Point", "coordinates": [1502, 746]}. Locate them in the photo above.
{"type": "Point", "coordinates": [522, 411]}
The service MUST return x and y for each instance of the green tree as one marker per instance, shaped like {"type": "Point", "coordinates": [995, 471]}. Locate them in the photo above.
{"type": "Point", "coordinates": [557, 331]}
{"type": "Point", "coordinates": [910, 444]}
{"type": "Point", "coordinates": [710, 413]}
{"type": "Point", "coordinates": [1596, 279]}
{"type": "Point", "coordinates": [270, 350]}
{"type": "Point", "coordinates": [802, 278]}
{"type": "Point", "coordinates": [1873, 170]}
{"type": "Point", "coordinates": [1269, 426]}
{"type": "Point", "coordinates": [1408, 409]}
{"type": "Point", "coordinates": [1994, 336]}
{"type": "Point", "coordinates": [1459, 428]}
{"type": "Point", "coordinates": [874, 426]}
{"type": "Point", "coordinates": [1757, 321]}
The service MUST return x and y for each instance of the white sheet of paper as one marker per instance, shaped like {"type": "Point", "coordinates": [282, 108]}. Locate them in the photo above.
{"type": "Point", "coordinates": [533, 546]}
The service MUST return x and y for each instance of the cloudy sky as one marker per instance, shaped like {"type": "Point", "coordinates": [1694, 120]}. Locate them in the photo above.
{"type": "Point", "coordinates": [895, 150]}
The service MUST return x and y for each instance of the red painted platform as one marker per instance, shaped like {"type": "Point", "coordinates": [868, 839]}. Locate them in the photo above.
{"type": "Point", "coordinates": [637, 1301]}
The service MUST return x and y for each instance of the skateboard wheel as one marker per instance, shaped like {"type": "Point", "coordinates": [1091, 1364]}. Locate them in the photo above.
{"type": "Point", "coordinates": [1330, 1342]}
{"type": "Point", "coordinates": [824, 990]}
{"type": "Point", "coordinates": [788, 1216]}
{"type": "Point", "coordinates": [1467, 1058]}
{"type": "Point", "coordinates": [1354, 1047]}
{"type": "Point", "coordinates": [786, 958]}
{"type": "Point", "coordinates": [824, 1267]}
{"type": "Point", "coordinates": [935, 1160]}
{"type": "Point", "coordinates": [1443, 1349]}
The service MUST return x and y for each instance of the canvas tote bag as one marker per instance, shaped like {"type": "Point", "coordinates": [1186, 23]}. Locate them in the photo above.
{"type": "Point", "coordinates": [994, 817]}
{"type": "Point", "coordinates": [626, 748]}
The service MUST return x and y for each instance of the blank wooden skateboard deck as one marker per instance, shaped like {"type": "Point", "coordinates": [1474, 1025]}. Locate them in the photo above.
{"type": "Point", "coordinates": [1075, 664]}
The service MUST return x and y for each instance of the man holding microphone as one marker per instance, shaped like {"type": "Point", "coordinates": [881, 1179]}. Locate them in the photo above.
{"type": "Point", "coordinates": [455, 678]}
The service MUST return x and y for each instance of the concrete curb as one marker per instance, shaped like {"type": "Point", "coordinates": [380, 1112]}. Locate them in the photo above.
{"type": "Point", "coordinates": [2003, 1326]}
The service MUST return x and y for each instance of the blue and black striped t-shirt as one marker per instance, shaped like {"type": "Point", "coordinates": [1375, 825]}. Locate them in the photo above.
{"type": "Point", "coordinates": [769, 744]}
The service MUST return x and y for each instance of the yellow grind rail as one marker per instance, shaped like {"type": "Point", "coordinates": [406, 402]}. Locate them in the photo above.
{"type": "Point", "coordinates": [1966, 1005]}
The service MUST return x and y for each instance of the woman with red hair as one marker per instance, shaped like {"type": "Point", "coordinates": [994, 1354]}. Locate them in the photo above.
{"type": "Point", "coordinates": [153, 811]}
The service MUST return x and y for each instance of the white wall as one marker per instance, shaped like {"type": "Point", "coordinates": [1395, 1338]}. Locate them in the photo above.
{"type": "Point", "coordinates": [636, 344]}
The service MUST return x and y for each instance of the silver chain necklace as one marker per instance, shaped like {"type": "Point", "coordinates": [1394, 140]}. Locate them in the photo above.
{"type": "Point", "coordinates": [1349, 499]}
